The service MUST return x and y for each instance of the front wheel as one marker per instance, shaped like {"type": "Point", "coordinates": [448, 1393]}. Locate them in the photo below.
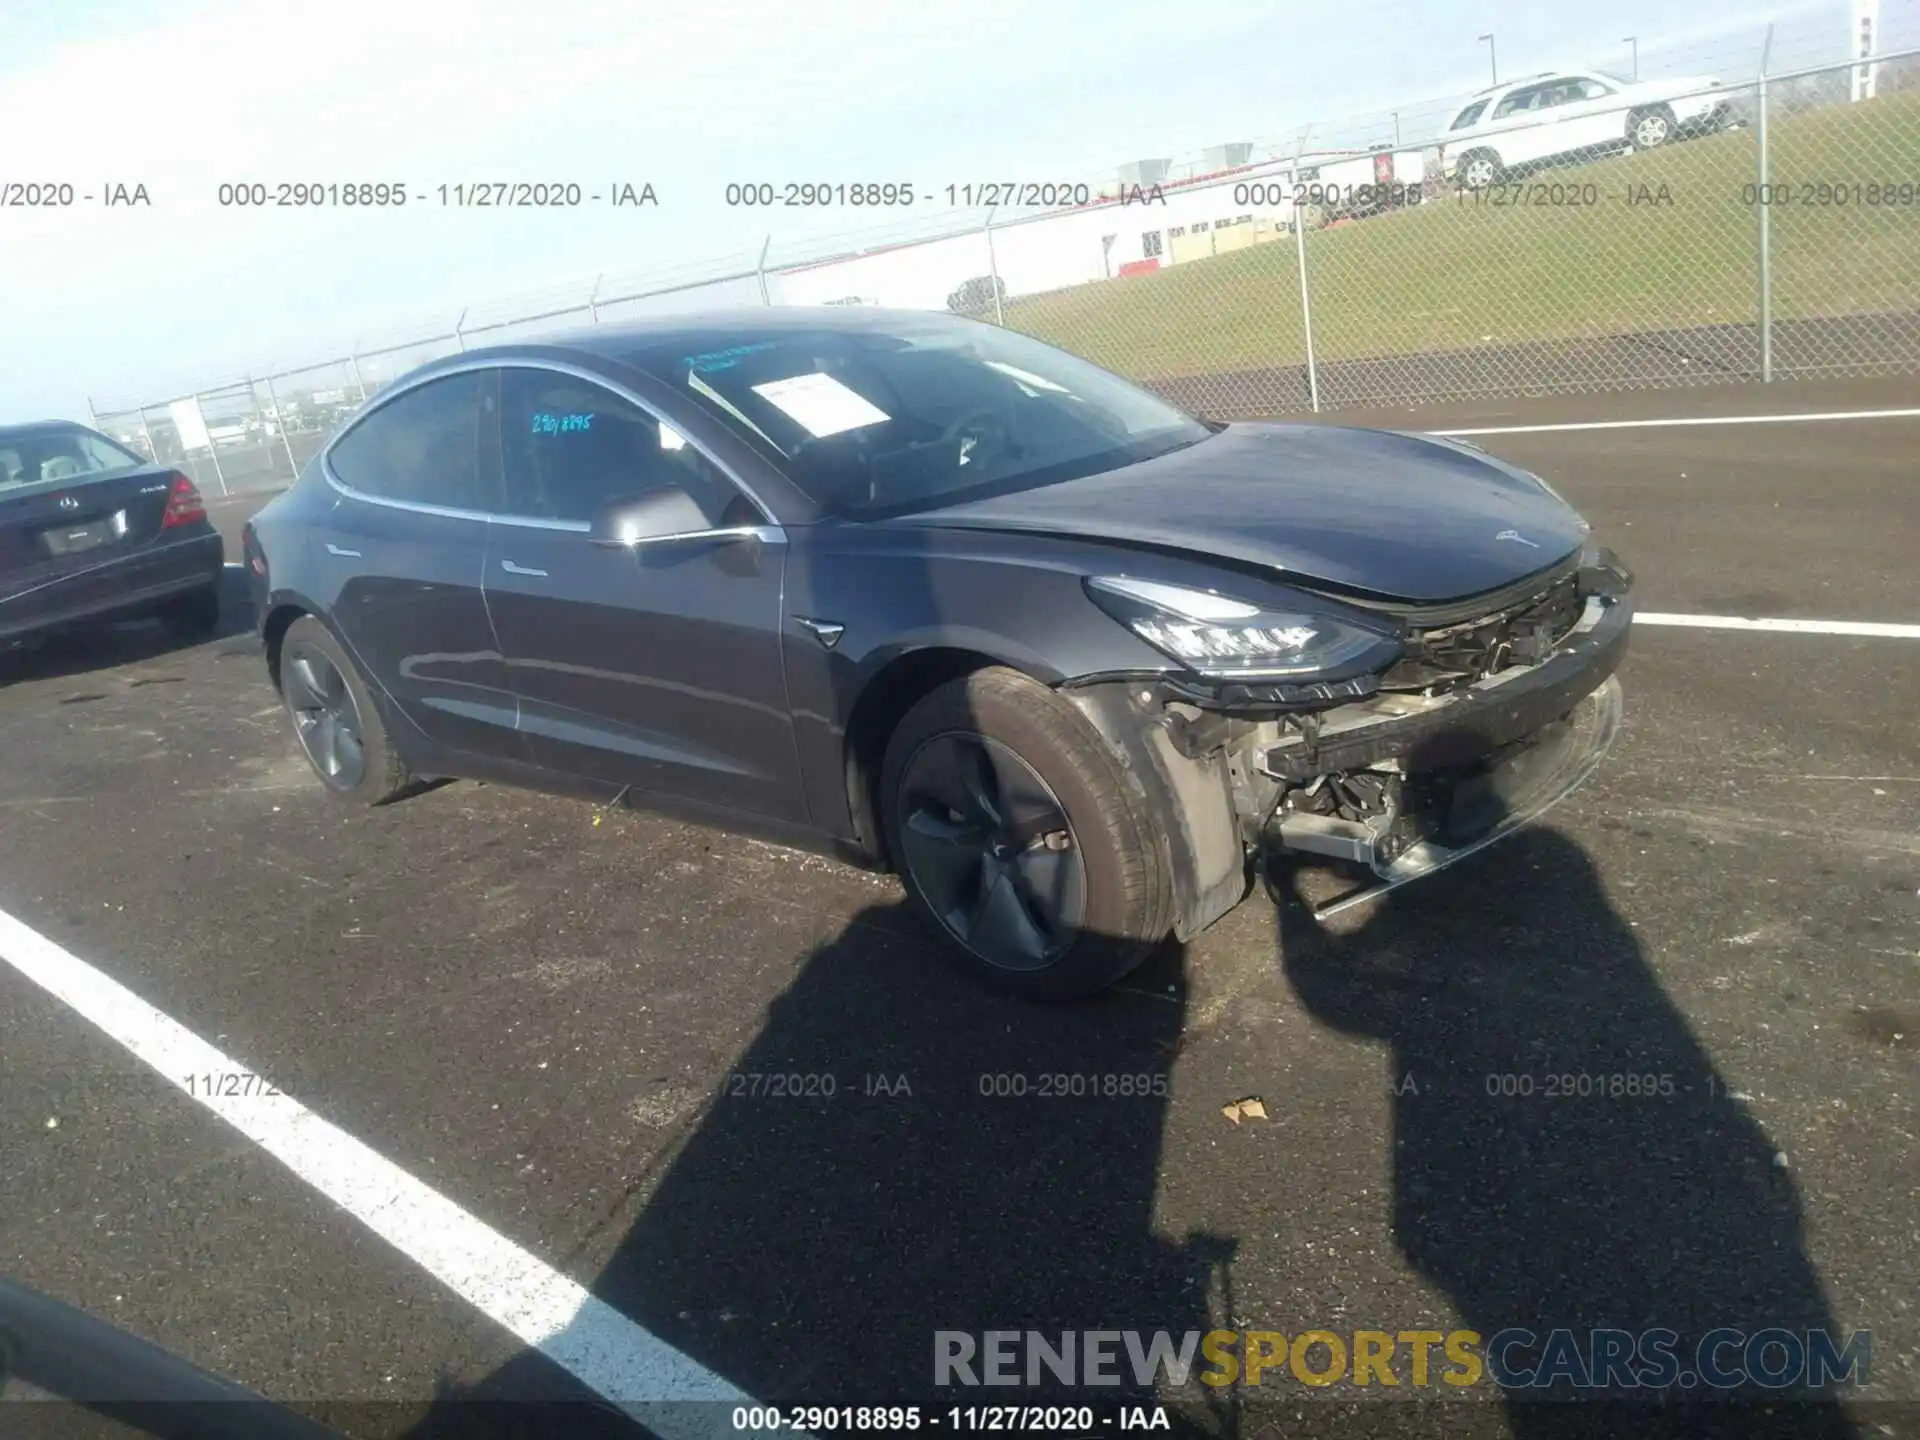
{"type": "Point", "coordinates": [1651, 128]}
{"type": "Point", "coordinates": [1014, 831]}
{"type": "Point", "coordinates": [335, 720]}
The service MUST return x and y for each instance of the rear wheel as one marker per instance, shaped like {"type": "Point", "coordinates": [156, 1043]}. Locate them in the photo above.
{"type": "Point", "coordinates": [1651, 128]}
{"type": "Point", "coordinates": [1013, 829]}
{"type": "Point", "coordinates": [194, 616]}
{"type": "Point", "coordinates": [335, 720]}
{"type": "Point", "coordinates": [1479, 169]}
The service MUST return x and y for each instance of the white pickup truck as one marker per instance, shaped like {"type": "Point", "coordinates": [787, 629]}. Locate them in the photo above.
{"type": "Point", "coordinates": [1573, 115]}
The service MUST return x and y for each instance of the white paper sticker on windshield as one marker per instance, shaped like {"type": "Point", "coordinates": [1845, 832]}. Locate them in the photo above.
{"type": "Point", "coordinates": [821, 403]}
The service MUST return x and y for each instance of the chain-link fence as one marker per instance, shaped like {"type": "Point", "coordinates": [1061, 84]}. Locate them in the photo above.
{"type": "Point", "coordinates": [1569, 234]}
{"type": "Point", "coordinates": [1576, 231]}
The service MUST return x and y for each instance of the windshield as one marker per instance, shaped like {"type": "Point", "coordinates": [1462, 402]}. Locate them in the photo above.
{"type": "Point", "coordinates": [927, 411]}
{"type": "Point", "coordinates": [59, 452]}
{"type": "Point", "coordinates": [1469, 115]}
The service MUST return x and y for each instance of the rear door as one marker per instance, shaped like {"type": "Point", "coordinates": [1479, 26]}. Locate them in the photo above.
{"type": "Point", "coordinates": [655, 665]}
{"type": "Point", "coordinates": [401, 553]}
{"type": "Point", "coordinates": [1597, 113]}
{"type": "Point", "coordinates": [74, 510]}
{"type": "Point", "coordinates": [1517, 129]}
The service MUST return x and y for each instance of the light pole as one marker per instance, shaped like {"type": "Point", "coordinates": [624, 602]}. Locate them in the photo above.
{"type": "Point", "coordinates": [1493, 63]}
{"type": "Point", "coordinates": [1634, 41]}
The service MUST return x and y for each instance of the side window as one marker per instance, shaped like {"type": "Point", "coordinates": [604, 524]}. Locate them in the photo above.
{"type": "Point", "coordinates": [568, 447]}
{"type": "Point", "coordinates": [1519, 101]}
{"type": "Point", "coordinates": [422, 448]}
{"type": "Point", "coordinates": [1469, 115]}
{"type": "Point", "coordinates": [1592, 90]}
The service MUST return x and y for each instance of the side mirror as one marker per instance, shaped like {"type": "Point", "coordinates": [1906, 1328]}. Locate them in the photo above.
{"type": "Point", "coordinates": [651, 515]}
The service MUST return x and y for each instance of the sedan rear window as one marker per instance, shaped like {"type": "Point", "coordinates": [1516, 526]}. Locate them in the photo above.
{"type": "Point", "coordinates": [421, 447]}
{"type": "Point", "coordinates": [917, 412]}
{"type": "Point", "coordinates": [48, 453]}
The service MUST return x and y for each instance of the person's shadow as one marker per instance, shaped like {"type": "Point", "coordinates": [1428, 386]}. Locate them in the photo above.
{"type": "Point", "coordinates": [1532, 1189]}
{"type": "Point", "coordinates": [948, 1163]}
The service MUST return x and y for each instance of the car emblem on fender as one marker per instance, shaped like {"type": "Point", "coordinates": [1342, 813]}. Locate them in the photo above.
{"type": "Point", "coordinates": [827, 632]}
{"type": "Point", "coordinates": [69, 502]}
{"type": "Point", "coordinates": [1515, 535]}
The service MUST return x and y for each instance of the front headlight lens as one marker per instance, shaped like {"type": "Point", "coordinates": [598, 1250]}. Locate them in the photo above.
{"type": "Point", "coordinates": [1221, 637]}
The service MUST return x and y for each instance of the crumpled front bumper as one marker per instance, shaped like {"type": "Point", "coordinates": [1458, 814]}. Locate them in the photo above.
{"type": "Point", "coordinates": [1525, 786]}
{"type": "Point", "coordinates": [1497, 711]}
{"type": "Point", "coordinates": [1535, 735]}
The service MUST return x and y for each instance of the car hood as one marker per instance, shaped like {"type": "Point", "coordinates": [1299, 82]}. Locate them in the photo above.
{"type": "Point", "coordinates": [1383, 513]}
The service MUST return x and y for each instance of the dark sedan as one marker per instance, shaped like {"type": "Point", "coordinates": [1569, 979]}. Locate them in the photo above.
{"type": "Point", "coordinates": [929, 594]}
{"type": "Point", "coordinates": [90, 532]}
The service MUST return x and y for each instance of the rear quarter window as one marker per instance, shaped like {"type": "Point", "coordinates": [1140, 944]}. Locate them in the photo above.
{"type": "Point", "coordinates": [422, 448]}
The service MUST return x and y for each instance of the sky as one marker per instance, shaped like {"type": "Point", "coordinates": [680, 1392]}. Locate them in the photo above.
{"type": "Point", "coordinates": [180, 96]}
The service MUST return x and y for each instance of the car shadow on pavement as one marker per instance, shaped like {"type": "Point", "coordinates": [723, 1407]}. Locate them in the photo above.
{"type": "Point", "coordinates": [1532, 1189]}
{"type": "Point", "coordinates": [88, 649]}
{"type": "Point", "coordinates": [808, 1247]}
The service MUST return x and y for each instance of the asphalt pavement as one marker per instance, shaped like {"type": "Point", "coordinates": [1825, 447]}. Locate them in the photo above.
{"type": "Point", "coordinates": [545, 1012]}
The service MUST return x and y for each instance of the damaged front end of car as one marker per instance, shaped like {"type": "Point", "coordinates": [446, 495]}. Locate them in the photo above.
{"type": "Point", "coordinates": [1480, 717]}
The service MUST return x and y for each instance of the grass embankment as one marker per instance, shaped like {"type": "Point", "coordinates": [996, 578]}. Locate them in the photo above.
{"type": "Point", "coordinates": [1452, 275]}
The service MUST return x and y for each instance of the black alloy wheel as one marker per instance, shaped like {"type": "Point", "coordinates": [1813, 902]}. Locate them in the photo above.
{"type": "Point", "coordinates": [989, 846]}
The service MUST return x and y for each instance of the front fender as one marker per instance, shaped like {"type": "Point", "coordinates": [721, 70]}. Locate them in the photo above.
{"type": "Point", "coordinates": [1190, 800]}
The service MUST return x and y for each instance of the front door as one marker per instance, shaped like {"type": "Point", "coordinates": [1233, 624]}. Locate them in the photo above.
{"type": "Point", "coordinates": [655, 665]}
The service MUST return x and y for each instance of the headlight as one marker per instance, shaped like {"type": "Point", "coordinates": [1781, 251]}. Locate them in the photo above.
{"type": "Point", "coordinates": [1219, 636]}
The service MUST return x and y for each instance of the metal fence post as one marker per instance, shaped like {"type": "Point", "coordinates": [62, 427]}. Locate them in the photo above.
{"type": "Point", "coordinates": [93, 415]}
{"type": "Point", "coordinates": [760, 271]}
{"type": "Point", "coordinates": [353, 359]}
{"type": "Point", "coordinates": [280, 419]}
{"type": "Point", "coordinates": [213, 449]}
{"type": "Point", "coordinates": [1762, 195]}
{"type": "Point", "coordinates": [152, 453]}
{"type": "Point", "coordinates": [993, 271]}
{"type": "Point", "coordinates": [592, 296]}
{"type": "Point", "coordinates": [459, 338]}
{"type": "Point", "coordinates": [1300, 252]}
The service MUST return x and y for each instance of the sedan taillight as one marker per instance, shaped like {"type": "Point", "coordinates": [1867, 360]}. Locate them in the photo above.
{"type": "Point", "coordinates": [184, 504]}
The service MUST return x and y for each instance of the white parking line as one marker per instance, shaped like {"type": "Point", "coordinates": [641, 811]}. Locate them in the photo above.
{"type": "Point", "coordinates": [1906, 414]}
{"type": "Point", "coordinates": [629, 1365]}
{"type": "Point", "coordinates": [1801, 627]}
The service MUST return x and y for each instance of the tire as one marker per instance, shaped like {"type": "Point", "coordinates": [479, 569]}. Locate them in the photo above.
{"type": "Point", "coordinates": [335, 721]}
{"type": "Point", "coordinates": [1479, 170]}
{"type": "Point", "coordinates": [194, 616]}
{"type": "Point", "coordinates": [1650, 128]}
{"type": "Point", "coordinates": [991, 869]}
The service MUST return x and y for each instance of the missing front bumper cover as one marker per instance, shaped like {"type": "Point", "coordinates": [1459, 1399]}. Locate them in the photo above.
{"type": "Point", "coordinates": [1477, 721]}
{"type": "Point", "coordinates": [1507, 795]}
